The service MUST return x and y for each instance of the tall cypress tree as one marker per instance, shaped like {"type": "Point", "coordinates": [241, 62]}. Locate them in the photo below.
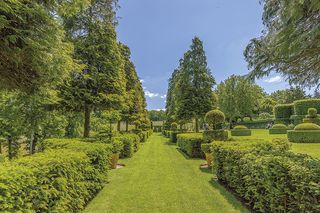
{"type": "Point", "coordinates": [194, 86]}
{"type": "Point", "coordinates": [101, 84]}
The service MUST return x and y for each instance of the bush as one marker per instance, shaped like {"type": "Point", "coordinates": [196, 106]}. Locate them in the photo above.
{"type": "Point", "coordinates": [212, 135]}
{"type": "Point", "coordinates": [240, 127]}
{"type": "Point", "coordinates": [278, 129]}
{"type": "Point", "coordinates": [174, 126]}
{"type": "Point", "coordinates": [190, 143]}
{"type": "Point", "coordinates": [312, 113]}
{"type": "Point", "coordinates": [304, 136]}
{"type": "Point", "coordinates": [301, 107]}
{"type": "Point", "coordinates": [130, 144]}
{"type": "Point", "coordinates": [283, 111]}
{"type": "Point", "coordinates": [257, 124]}
{"type": "Point", "coordinates": [240, 130]}
{"type": "Point", "coordinates": [268, 177]}
{"type": "Point", "coordinates": [291, 126]}
{"type": "Point", "coordinates": [307, 126]}
{"type": "Point", "coordinates": [214, 117]}
{"type": "Point", "coordinates": [279, 126]}
{"type": "Point", "coordinates": [57, 180]}
{"type": "Point", "coordinates": [173, 136]}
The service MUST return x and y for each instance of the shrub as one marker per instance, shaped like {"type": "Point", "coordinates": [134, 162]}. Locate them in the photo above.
{"type": "Point", "coordinates": [278, 129]}
{"type": "Point", "coordinates": [62, 180]}
{"type": "Point", "coordinates": [291, 126]}
{"type": "Point", "coordinates": [304, 136]}
{"type": "Point", "coordinates": [283, 111]}
{"type": "Point", "coordinates": [174, 126]}
{"type": "Point", "coordinates": [312, 113]}
{"type": "Point", "coordinates": [301, 107]}
{"type": "Point", "coordinates": [211, 135]}
{"type": "Point", "coordinates": [257, 124]}
{"type": "Point", "coordinates": [214, 117]}
{"type": "Point", "coordinates": [240, 130]}
{"type": "Point", "coordinates": [268, 177]}
{"type": "Point", "coordinates": [173, 136]}
{"type": "Point", "coordinates": [279, 126]}
{"type": "Point", "coordinates": [307, 126]}
{"type": "Point", "coordinates": [206, 149]}
{"type": "Point", "coordinates": [190, 143]}
{"type": "Point", "coordinates": [130, 144]}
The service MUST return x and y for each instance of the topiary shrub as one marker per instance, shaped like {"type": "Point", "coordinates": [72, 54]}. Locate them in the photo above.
{"type": "Point", "coordinates": [215, 135]}
{"type": "Point", "coordinates": [305, 133]}
{"type": "Point", "coordinates": [307, 126]}
{"type": "Point", "coordinates": [291, 126]}
{"type": "Point", "coordinates": [312, 116]}
{"type": "Point", "coordinates": [278, 129]}
{"type": "Point", "coordinates": [301, 106]}
{"type": "Point", "coordinates": [240, 130]}
{"type": "Point", "coordinates": [214, 117]}
{"type": "Point", "coordinates": [174, 126]}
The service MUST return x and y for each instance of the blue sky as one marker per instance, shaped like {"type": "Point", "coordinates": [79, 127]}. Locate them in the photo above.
{"type": "Point", "coordinates": [159, 32]}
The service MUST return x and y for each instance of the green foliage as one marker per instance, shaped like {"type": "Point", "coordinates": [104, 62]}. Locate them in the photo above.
{"type": "Point", "coordinates": [291, 126]}
{"type": "Point", "coordinates": [240, 127]}
{"type": "Point", "coordinates": [174, 126]}
{"type": "Point", "coordinates": [304, 136]}
{"type": "Point", "coordinates": [157, 115]}
{"type": "Point", "coordinates": [301, 107]}
{"type": "Point", "coordinates": [238, 97]}
{"type": "Point", "coordinates": [190, 93]}
{"type": "Point", "coordinates": [312, 113]}
{"type": "Point", "coordinates": [131, 143]}
{"type": "Point", "coordinates": [173, 136]}
{"type": "Point", "coordinates": [241, 131]}
{"type": "Point", "coordinates": [190, 143]}
{"type": "Point", "coordinates": [215, 135]}
{"type": "Point", "coordinates": [255, 171]}
{"type": "Point", "coordinates": [283, 111]}
{"type": "Point", "coordinates": [307, 126]}
{"type": "Point", "coordinates": [214, 117]}
{"type": "Point", "coordinates": [279, 126]}
{"type": "Point", "coordinates": [256, 124]}
{"type": "Point", "coordinates": [278, 129]}
{"type": "Point", "coordinates": [206, 148]}
{"type": "Point", "coordinates": [58, 180]}
{"type": "Point", "coordinates": [286, 45]}
{"type": "Point", "coordinates": [288, 96]}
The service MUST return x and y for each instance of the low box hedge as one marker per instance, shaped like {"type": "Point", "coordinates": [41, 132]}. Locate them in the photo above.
{"type": "Point", "coordinates": [304, 136]}
{"type": "Point", "coordinates": [215, 135]}
{"type": "Point", "coordinates": [268, 177]}
{"type": "Point", "coordinates": [240, 132]}
{"type": "Point", "coordinates": [277, 131]}
{"type": "Point", "coordinates": [63, 178]}
{"type": "Point", "coordinates": [190, 143]}
{"type": "Point", "coordinates": [131, 143]}
{"type": "Point", "coordinates": [173, 136]}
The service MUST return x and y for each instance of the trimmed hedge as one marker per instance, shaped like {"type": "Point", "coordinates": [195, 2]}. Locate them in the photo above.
{"type": "Point", "coordinates": [173, 136]}
{"type": "Point", "coordinates": [304, 136]}
{"type": "Point", "coordinates": [307, 126]}
{"type": "Point", "coordinates": [258, 124]}
{"type": "Point", "coordinates": [283, 111]}
{"type": "Point", "coordinates": [58, 180]}
{"type": "Point", "coordinates": [268, 177]}
{"type": "Point", "coordinates": [240, 130]}
{"type": "Point", "coordinates": [278, 129]}
{"type": "Point", "coordinates": [131, 144]}
{"type": "Point", "coordinates": [190, 143]}
{"type": "Point", "coordinates": [213, 135]}
{"type": "Point", "coordinates": [301, 106]}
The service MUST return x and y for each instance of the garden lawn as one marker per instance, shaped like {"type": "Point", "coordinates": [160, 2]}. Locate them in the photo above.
{"type": "Point", "coordinates": [312, 149]}
{"type": "Point", "coordinates": [161, 179]}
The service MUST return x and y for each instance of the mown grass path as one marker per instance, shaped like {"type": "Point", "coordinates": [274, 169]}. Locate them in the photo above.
{"type": "Point", "coordinates": [161, 179]}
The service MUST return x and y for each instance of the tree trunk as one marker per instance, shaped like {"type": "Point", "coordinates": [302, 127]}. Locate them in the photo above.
{"type": "Point", "coordinates": [127, 126]}
{"type": "Point", "coordinates": [197, 125]}
{"type": "Point", "coordinates": [10, 155]}
{"type": "Point", "coordinates": [119, 126]}
{"type": "Point", "coordinates": [0, 147]}
{"type": "Point", "coordinates": [34, 144]}
{"type": "Point", "coordinates": [87, 115]}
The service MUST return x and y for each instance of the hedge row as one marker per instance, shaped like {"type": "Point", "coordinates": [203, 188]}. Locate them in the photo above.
{"type": "Point", "coordinates": [283, 111]}
{"type": "Point", "coordinates": [301, 107]}
{"type": "Point", "coordinates": [61, 179]}
{"type": "Point", "coordinates": [131, 144]}
{"type": "Point", "coordinates": [304, 136]}
{"type": "Point", "coordinates": [258, 124]}
{"type": "Point", "coordinates": [277, 131]}
{"type": "Point", "coordinates": [269, 177]}
{"type": "Point", "coordinates": [190, 143]}
{"type": "Point", "coordinates": [240, 132]}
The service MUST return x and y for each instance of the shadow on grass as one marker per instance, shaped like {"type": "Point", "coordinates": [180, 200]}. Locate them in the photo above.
{"type": "Point", "coordinates": [206, 170]}
{"type": "Point", "coordinates": [170, 143]}
{"type": "Point", "coordinates": [228, 194]}
{"type": "Point", "coordinates": [187, 157]}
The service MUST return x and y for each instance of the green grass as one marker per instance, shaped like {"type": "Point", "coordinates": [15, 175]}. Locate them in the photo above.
{"type": "Point", "coordinates": [312, 149]}
{"type": "Point", "coordinates": [161, 179]}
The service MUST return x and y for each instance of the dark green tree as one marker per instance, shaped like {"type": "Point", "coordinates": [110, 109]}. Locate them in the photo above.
{"type": "Point", "coordinates": [288, 96]}
{"type": "Point", "coordinates": [194, 85]}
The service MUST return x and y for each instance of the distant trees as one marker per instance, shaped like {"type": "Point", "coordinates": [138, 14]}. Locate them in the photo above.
{"type": "Point", "coordinates": [288, 96]}
{"type": "Point", "coordinates": [290, 42]}
{"type": "Point", "coordinates": [157, 115]}
{"type": "Point", "coordinates": [238, 97]}
{"type": "Point", "coordinates": [190, 93]}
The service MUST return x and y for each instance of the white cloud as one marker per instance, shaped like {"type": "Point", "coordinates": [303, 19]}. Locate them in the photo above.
{"type": "Point", "coordinates": [276, 79]}
{"type": "Point", "coordinates": [163, 96]}
{"type": "Point", "coordinates": [160, 109]}
{"type": "Point", "coordinates": [142, 81]}
{"type": "Point", "coordinates": [151, 94]}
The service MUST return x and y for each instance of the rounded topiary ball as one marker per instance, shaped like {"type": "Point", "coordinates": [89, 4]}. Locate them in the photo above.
{"type": "Point", "coordinates": [240, 127]}
{"type": "Point", "coordinates": [312, 113]}
{"type": "Point", "coordinates": [174, 126]}
{"type": "Point", "coordinates": [279, 126]}
{"type": "Point", "coordinates": [215, 117]}
{"type": "Point", "coordinates": [307, 126]}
